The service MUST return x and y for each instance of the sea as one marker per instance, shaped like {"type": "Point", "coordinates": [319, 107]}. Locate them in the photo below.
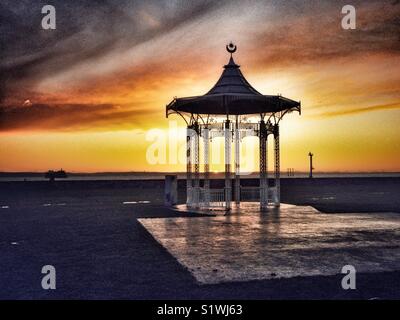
{"type": "Point", "coordinates": [4, 177]}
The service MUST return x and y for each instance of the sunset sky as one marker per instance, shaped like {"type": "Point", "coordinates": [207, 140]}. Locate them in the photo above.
{"type": "Point", "coordinates": [83, 97]}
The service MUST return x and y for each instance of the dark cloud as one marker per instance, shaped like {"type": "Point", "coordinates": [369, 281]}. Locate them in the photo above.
{"type": "Point", "coordinates": [85, 30]}
{"type": "Point", "coordinates": [312, 33]}
{"type": "Point", "coordinates": [89, 29]}
{"type": "Point", "coordinates": [67, 116]}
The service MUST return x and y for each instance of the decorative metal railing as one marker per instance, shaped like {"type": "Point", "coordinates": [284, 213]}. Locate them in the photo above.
{"type": "Point", "coordinates": [215, 198]}
{"type": "Point", "coordinates": [252, 194]}
{"type": "Point", "coordinates": [212, 198]}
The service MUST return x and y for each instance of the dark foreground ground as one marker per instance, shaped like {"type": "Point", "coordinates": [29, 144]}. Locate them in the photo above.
{"type": "Point", "coordinates": [100, 251]}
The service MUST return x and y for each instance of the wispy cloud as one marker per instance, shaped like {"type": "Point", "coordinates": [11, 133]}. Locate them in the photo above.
{"type": "Point", "coordinates": [352, 110]}
{"type": "Point", "coordinates": [68, 117]}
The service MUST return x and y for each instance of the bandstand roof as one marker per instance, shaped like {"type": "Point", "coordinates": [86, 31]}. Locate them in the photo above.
{"type": "Point", "coordinates": [233, 95]}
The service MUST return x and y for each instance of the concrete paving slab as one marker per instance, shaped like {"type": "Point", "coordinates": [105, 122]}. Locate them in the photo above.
{"type": "Point", "coordinates": [286, 242]}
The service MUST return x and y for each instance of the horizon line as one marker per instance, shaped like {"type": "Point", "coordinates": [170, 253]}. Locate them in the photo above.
{"type": "Point", "coordinates": [181, 172]}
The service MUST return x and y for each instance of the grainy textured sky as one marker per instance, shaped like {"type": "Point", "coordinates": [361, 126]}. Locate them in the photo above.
{"type": "Point", "coordinates": [82, 96]}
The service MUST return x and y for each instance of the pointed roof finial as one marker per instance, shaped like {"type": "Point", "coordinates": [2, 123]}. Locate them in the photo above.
{"type": "Point", "coordinates": [231, 48]}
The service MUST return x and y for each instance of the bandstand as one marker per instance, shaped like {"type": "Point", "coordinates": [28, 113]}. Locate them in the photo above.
{"type": "Point", "coordinates": [224, 111]}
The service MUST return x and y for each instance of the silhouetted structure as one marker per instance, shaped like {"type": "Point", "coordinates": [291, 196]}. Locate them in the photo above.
{"type": "Point", "coordinates": [52, 175]}
{"type": "Point", "coordinates": [311, 165]}
{"type": "Point", "coordinates": [221, 112]}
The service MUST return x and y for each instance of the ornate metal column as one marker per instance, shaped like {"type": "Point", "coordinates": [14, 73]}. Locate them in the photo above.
{"type": "Point", "coordinates": [196, 147]}
{"type": "Point", "coordinates": [237, 162]}
{"type": "Point", "coordinates": [206, 140]}
{"type": "Point", "coordinates": [263, 136]}
{"type": "Point", "coordinates": [189, 198]}
{"type": "Point", "coordinates": [228, 182]}
{"type": "Point", "coordinates": [277, 167]}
